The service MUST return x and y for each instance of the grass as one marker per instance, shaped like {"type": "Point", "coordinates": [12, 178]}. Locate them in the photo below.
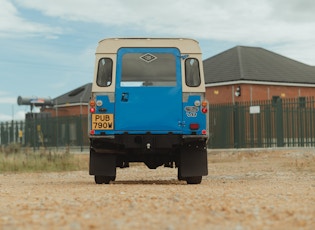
{"type": "Point", "coordinates": [17, 160]}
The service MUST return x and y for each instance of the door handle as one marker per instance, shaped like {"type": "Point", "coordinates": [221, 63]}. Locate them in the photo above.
{"type": "Point", "coordinates": [124, 97]}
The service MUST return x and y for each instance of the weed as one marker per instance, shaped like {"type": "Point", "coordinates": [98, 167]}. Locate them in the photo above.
{"type": "Point", "coordinates": [42, 160]}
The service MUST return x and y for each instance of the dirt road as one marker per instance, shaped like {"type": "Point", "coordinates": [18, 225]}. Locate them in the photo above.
{"type": "Point", "coordinates": [263, 189]}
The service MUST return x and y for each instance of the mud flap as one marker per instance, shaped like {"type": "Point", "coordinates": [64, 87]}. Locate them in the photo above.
{"type": "Point", "coordinates": [193, 160]}
{"type": "Point", "coordinates": [102, 164]}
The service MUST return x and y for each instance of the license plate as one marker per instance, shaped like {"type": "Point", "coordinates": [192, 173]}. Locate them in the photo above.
{"type": "Point", "coordinates": [102, 121]}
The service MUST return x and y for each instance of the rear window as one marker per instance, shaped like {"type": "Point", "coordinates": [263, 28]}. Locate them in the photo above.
{"type": "Point", "coordinates": [192, 75]}
{"type": "Point", "coordinates": [148, 69]}
{"type": "Point", "coordinates": [104, 73]}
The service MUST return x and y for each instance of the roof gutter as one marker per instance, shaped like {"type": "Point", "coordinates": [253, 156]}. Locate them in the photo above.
{"type": "Point", "coordinates": [260, 83]}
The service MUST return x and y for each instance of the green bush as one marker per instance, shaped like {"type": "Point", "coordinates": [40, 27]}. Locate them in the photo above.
{"type": "Point", "coordinates": [16, 160]}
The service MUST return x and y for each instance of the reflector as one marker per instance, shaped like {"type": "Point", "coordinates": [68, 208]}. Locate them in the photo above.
{"type": "Point", "coordinates": [197, 103]}
{"type": "Point", "coordinates": [92, 103]}
{"type": "Point", "coordinates": [194, 126]}
{"type": "Point", "coordinates": [99, 103]}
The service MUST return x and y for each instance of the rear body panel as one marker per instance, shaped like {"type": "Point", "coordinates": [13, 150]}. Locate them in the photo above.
{"type": "Point", "coordinates": [142, 106]}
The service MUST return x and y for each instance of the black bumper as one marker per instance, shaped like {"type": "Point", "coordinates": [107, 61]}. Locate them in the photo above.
{"type": "Point", "coordinates": [119, 143]}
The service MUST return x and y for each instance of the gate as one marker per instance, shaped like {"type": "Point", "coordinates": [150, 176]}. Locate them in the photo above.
{"type": "Point", "coordinates": [262, 124]}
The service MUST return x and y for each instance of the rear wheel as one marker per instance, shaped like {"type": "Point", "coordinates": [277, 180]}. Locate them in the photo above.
{"type": "Point", "coordinates": [103, 179]}
{"type": "Point", "coordinates": [193, 179]}
{"type": "Point", "coordinates": [193, 162]}
{"type": "Point", "coordinates": [179, 174]}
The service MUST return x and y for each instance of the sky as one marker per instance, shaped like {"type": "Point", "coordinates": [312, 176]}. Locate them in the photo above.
{"type": "Point", "coordinates": [47, 47]}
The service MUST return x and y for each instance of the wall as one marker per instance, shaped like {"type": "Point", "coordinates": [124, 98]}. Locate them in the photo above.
{"type": "Point", "coordinates": [67, 111]}
{"type": "Point", "coordinates": [252, 92]}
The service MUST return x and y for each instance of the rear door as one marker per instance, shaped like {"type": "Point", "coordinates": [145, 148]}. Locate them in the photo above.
{"type": "Point", "coordinates": [148, 94]}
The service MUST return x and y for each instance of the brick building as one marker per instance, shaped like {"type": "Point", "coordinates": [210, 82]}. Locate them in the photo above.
{"type": "Point", "coordinates": [250, 74]}
{"type": "Point", "coordinates": [72, 103]}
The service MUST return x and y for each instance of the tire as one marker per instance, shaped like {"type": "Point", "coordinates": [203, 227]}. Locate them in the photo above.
{"type": "Point", "coordinates": [103, 179]}
{"type": "Point", "coordinates": [179, 175]}
{"type": "Point", "coordinates": [194, 180]}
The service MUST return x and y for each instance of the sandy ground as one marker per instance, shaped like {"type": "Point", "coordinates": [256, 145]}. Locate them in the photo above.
{"type": "Point", "coordinates": [252, 189]}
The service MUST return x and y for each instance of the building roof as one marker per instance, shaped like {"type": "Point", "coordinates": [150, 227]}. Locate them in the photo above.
{"type": "Point", "coordinates": [243, 63]}
{"type": "Point", "coordinates": [80, 95]}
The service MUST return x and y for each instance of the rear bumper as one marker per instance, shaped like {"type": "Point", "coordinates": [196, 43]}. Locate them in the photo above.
{"type": "Point", "coordinates": [122, 143]}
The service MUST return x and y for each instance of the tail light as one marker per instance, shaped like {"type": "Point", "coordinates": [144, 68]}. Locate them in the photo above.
{"type": "Point", "coordinates": [92, 106]}
{"type": "Point", "coordinates": [92, 103]}
{"type": "Point", "coordinates": [194, 126]}
{"type": "Point", "coordinates": [204, 105]}
{"type": "Point", "coordinates": [92, 110]}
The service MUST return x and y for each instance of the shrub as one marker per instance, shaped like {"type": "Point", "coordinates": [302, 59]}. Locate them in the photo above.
{"type": "Point", "coordinates": [16, 160]}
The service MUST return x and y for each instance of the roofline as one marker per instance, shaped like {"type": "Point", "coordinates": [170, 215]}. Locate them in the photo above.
{"type": "Point", "coordinates": [238, 48]}
{"type": "Point", "coordinates": [149, 38]}
{"type": "Point", "coordinates": [70, 105]}
{"type": "Point", "coordinates": [260, 83]}
{"type": "Point", "coordinates": [85, 85]}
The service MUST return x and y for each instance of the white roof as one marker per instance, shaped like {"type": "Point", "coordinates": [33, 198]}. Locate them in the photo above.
{"type": "Point", "coordinates": [185, 45]}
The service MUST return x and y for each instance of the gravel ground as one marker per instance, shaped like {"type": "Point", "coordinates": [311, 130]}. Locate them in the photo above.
{"type": "Point", "coordinates": [256, 189]}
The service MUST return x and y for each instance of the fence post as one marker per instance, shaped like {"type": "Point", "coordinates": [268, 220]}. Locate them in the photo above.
{"type": "Point", "coordinates": [80, 132]}
{"type": "Point", "coordinates": [311, 109]}
{"type": "Point", "coordinates": [279, 123]}
{"type": "Point", "coordinates": [251, 130]}
{"type": "Point", "coordinates": [301, 109]}
{"type": "Point", "coordinates": [2, 138]}
{"type": "Point", "coordinates": [236, 125]}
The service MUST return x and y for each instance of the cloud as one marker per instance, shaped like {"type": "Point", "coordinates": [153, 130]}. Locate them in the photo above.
{"type": "Point", "coordinates": [8, 102]}
{"type": "Point", "coordinates": [5, 117]}
{"type": "Point", "coordinates": [17, 116]}
{"type": "Point", "coordinates": [264, 21]}
{"type": "Point", "coordinates": [267, 23]}
{"type": "Point", "coordinates": [10, 109]}
{"type": "Point", "coordinates": [6, 98]}
{"type": "Point", "coordinates": [11, 24]}
{"type": "Point", "coordinates": [301, 52]}
{"type": "Point", "coordinates": [294, 11]}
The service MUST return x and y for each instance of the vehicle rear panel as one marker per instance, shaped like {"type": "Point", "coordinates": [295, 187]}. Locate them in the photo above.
{"type": "Point", "coordinates": [145, 101]}
{"type": "Point", "coordinates": [135, 105]}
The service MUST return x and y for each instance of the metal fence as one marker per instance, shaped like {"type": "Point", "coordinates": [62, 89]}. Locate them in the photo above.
{"type": "Point", "coordinates": [43, 131]}
{"type": "Point", "coordinates": [261, 124]}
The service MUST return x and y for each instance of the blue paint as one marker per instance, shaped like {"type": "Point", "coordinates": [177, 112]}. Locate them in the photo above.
{"type": "Point", "coordinates": [155, 109]}
{"type": "Point", "coordinates": [194, 115]}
